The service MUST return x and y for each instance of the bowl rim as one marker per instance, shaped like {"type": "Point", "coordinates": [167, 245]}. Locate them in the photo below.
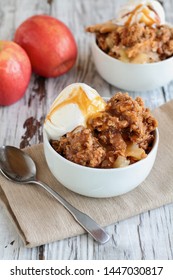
{"type": "Point", "coordinates": [102, 170]}
{"type": "Point", "coordinates": [152, 64]}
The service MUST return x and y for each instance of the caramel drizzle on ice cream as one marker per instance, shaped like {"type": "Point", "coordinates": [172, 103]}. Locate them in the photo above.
{"type": "Point", "coordinates": [146, 18]}
{"type": "Point", "coordinates": [79, 97]}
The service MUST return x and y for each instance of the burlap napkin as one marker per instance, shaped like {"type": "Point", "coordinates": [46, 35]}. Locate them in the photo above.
{"type": "Point", "coordinates": [40, 219]}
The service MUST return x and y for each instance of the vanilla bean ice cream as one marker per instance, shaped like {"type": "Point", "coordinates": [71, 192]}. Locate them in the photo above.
{"type": "Point", "coordinates": [148, 12]}
{"type": "Point", "coordinates": [72, 108]}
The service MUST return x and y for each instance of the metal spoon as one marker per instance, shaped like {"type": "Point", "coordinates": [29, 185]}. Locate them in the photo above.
{"type": "Point", "coordinates": [19, 167]}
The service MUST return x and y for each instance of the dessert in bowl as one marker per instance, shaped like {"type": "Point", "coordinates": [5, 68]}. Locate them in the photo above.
{"type": "Point", "coordinates": [135, 51]}
{"type": "Point", "coordinates": [103, 149]}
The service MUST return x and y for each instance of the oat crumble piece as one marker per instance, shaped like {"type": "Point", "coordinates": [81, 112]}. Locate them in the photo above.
{"type": "Point", "coordinates": [81, 147]}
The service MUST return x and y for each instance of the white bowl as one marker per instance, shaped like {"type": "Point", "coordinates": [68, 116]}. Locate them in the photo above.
{"type": "Point", "coordinates": [129, 76]}
{"type": "Point", "coordinates": [96, 182]}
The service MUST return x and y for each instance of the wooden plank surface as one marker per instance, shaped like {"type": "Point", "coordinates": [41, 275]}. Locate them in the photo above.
{"type": "Point", "coordinates": [146, 236]}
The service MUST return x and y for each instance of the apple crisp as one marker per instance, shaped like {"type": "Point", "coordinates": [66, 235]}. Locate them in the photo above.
{"type": "Point", "coordinates": [120, 135]}
{"type": "Point", "coordinates": [136, 43]}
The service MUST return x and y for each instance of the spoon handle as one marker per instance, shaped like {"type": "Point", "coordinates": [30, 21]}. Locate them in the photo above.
{"type": "Point", "coordinates": [97, 232]}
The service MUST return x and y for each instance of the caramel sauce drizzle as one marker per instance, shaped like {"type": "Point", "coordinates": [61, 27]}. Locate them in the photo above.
{"type": "Point", "coordinates": [146, 15]}
{"type": "Point", "coordinates": [78, 96]}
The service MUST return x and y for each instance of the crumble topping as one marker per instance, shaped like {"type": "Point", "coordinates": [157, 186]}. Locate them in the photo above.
{"type": "Point", "coordinates": [118, 136]}
{"type": "Point", "coordinates": [136, 43]}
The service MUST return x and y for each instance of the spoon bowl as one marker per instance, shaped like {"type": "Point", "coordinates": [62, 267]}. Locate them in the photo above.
{"type": "Point", "coordinates": [19, 167]}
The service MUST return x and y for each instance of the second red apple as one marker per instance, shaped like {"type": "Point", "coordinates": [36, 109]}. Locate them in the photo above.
{"type": "Point", "coordinates": [49, 44]}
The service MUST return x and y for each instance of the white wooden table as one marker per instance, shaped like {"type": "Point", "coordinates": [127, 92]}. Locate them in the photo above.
{"type": "Point", "coordinates": [146, 236]}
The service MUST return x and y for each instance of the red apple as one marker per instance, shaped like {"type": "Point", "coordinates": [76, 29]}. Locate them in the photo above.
{"type": "Point", "coordinates": [15, 72]}
{"type": "Point", "coordinates": [49, 44]}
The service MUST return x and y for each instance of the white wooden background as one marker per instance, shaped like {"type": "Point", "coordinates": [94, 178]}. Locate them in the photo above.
{"type": "Point", "coordinates": [146, 236]}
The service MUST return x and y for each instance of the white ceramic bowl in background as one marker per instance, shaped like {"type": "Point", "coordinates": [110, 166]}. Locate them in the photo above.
{"type": "Point", "coordinates": [129, 76]}
{"type": "Point", "coordinates": [95, 182]}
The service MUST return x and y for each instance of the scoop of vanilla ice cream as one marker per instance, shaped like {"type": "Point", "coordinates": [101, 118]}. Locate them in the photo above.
{"type": "Point", "coordinates": [72, 108]}
{"type": "Point", "coordinates": [148, 12]}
